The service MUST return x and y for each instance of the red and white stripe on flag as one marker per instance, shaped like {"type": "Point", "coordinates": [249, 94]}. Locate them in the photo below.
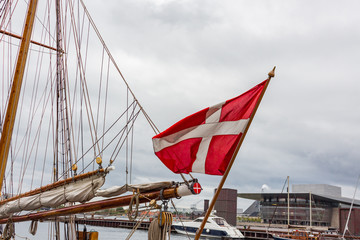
{"type": "Point", "coordinates": [204, 142]}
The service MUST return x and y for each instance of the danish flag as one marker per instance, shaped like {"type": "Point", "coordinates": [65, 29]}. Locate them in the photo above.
{"type": "Point", "coordinates": [205, 142]}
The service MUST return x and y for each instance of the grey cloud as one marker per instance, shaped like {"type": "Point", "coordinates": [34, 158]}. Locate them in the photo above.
{"type": "Point", "coordinates": [180, 57]}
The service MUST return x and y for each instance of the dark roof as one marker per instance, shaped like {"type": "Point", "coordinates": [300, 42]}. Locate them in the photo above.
{"type": "Point", "coordinates": [318, 197]}
{"type": "Point", "coordinates": [254, 207]}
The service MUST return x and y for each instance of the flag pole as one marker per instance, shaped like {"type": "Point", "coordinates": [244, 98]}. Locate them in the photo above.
{"type": "Point", "coordinates": [271, 74]}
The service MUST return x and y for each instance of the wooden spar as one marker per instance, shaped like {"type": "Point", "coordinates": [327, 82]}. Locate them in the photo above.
{"type": "Point", "coordinates": [31, 41]}
{"type": "Point", "coordinates": [54, 185]}
{"type": "Point", "coordinates": [15, 89]}
{"type": "Point", "coordinates": [165, 194]}
{"type": "Point", "coordinates": [223, 179]}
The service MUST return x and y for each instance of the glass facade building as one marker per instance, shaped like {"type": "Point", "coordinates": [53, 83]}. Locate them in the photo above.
{"type": "Point", "coordinates": [274, 209]}
{"type": "Point", "coordinates": [309, 204]}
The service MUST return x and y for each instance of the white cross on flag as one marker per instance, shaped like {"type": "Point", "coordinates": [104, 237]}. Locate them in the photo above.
{"type": "Point", "coordinates": [204, 142]}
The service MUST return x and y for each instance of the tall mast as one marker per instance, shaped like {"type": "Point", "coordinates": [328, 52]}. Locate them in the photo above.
{"type": "Point", "coordinates": [16, 88]}
{"type": "Point", "coordinates": [58, 77]}
{"type": "Point", "coordinates": [62, 138]}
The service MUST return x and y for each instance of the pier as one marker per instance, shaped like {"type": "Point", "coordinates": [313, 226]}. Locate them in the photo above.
{"type": "Point", "coordinates": [114, 223]}
{"type": "Point", "coordinates": [255, 234]}
{"type": "Point", "coordinates": [250, 232]}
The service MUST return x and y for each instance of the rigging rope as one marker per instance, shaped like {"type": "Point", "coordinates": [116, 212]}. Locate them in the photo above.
{"type": "Point", "coordinates": [33, 108]}
{"type": "Point", "coordinates": [135, 198]}
{"type": "Point", "coordinates": [9, 230]}
{"type": "Point", "coordinates": [77, 30]}
{"type": "Point", "coordinates": [138, 223]}
{"type": "Point", "coordinates": [33, 227]}
{"type": "Point", "coordinates": [272, 217]}
{"type": "Point", "coordinates": [159, 229]}
{"type": "Point", "coordinates": [30, 144]}
{"type": "Point", "coordinates": [127, 133]}
{"type": "Point", "coordinates": [81, 68]}
{"type": "Point", "coordinates": [182, 223]}
{"type": "Point", "coordinates": [351, 206]}
{"type": "Point", "coordinates": [134, 116]}
{"type": "Point", "coordinates": [114, 156]}
{"type": "Point", "coordinates": [152, 124]}
{"type": "Point", "coordinates": [154, 233]}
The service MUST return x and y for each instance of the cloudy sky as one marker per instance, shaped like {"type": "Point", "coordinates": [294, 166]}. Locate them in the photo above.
{"type": "Point", "coordinates": [182, 56]}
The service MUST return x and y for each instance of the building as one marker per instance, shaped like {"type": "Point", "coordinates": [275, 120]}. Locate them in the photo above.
{"type": "Point", "coordinates": [239, 212]}
{"type": "Point", "coordinates": [322, 189]}
{"type": "Point", "coordinates": [226, 205]}
{"type": "Point", "coordinates": [309, 204]}
{"type": "Point", "coordinates": [253, 210]}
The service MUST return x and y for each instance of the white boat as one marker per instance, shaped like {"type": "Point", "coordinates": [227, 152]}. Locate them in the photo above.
{"type": "Point", "coordinates": [215, 227]}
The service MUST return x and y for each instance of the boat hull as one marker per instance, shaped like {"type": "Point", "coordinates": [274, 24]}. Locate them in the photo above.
{"type": "Point", "coordinates": [297, 235]}
{"type": "Point", "coordinates": [209, 233]}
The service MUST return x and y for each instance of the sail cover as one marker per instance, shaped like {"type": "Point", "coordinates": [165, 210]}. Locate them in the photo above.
{"type": "Point", "coordinates": [145, 187]}
{"type": "Point", "coordinates": [79, 191]}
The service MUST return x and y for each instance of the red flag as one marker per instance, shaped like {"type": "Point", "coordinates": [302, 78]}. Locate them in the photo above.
{"type": "Point", "coordinates": [204, 142]}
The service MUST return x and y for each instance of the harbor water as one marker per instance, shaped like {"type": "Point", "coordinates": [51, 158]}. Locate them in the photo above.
{"type": "Point", "coordinates": [22, 232]}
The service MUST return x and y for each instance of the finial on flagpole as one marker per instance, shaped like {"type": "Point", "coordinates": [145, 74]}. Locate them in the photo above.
{"type": "Point", "coordinates": [271, 74]}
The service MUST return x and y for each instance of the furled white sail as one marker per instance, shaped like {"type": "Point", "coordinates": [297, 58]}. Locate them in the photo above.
{"type": "Point", "coordinates": [79, 191]}
{"type": "Point", "coordinates": [118, 190]}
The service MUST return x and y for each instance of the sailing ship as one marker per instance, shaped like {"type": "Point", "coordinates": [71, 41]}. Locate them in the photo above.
{"type": "Point", "coordinates": [63, 140]}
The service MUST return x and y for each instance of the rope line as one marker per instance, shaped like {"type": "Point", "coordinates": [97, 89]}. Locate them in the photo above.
{"type": "Point", "coordinates": [182, 223]}
{"type": "Point", "coordinates": [135, 198]}
{"type": "Point", "coordinates": [138, 223]}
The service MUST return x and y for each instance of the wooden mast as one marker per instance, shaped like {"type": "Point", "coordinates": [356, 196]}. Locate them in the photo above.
{"type": "Point", "coordinates": [15, 89]}
{"type": "Point", "coordinates": [59, 102]}
{"type": "Point", "coordinates": [223, 179]}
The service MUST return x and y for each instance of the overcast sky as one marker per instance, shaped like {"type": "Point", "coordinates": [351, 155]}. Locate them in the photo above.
{"type": "Point", "coordinates": [182, 56]}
